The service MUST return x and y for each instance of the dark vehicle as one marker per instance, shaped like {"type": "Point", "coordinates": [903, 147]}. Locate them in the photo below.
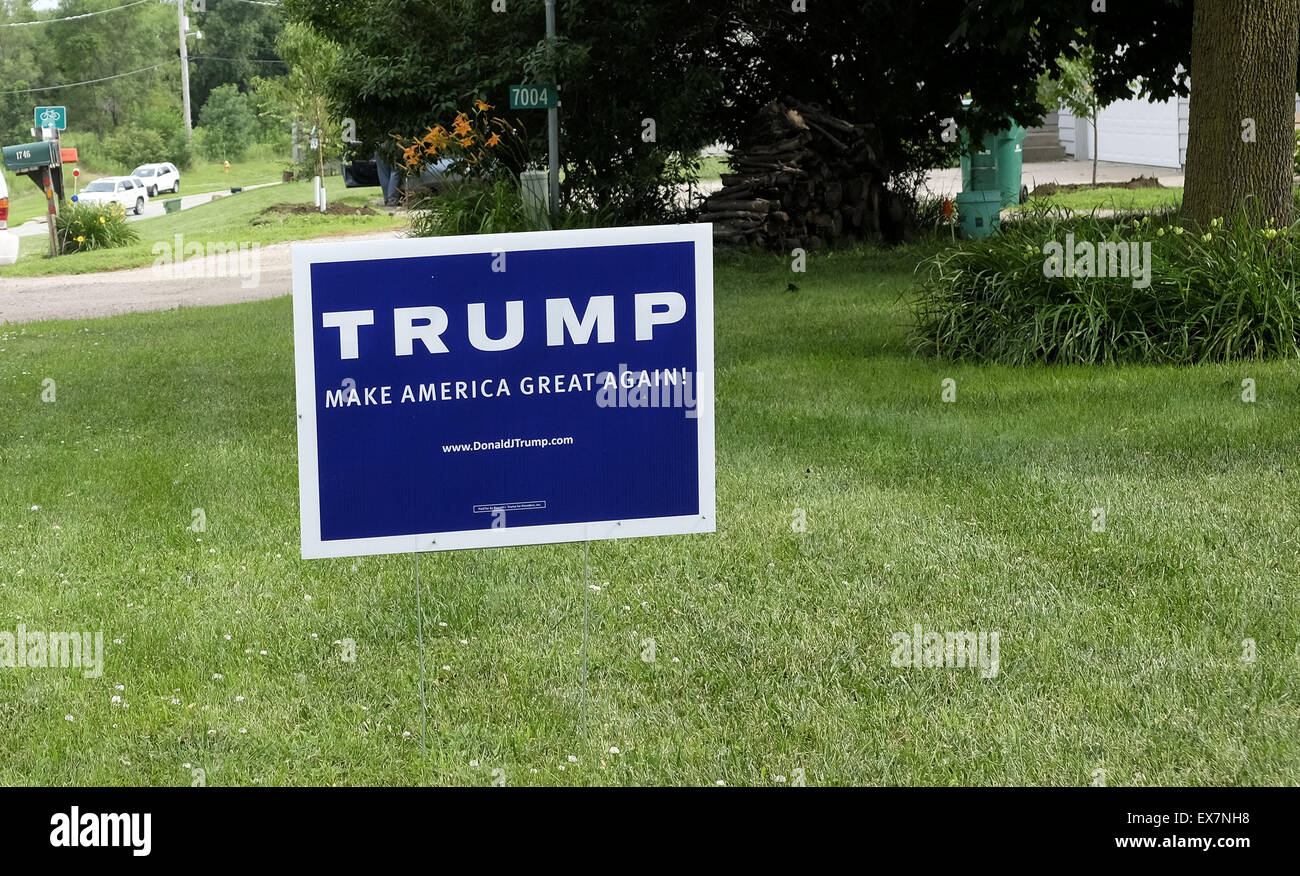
{"type": "Point", "coordinates": [360, 173]}
{"type": "Point", "coordinates": [368, 172]}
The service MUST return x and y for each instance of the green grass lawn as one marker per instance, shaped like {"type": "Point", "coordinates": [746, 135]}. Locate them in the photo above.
{"type": "Point", "coordinates": [1120, 650]}
{"type": "Point", "coordinates": [240, 218]}
{"type": "Point", "coordinates": [713, 167]}
{"type": "Point", "coordinates": [1088, 200]}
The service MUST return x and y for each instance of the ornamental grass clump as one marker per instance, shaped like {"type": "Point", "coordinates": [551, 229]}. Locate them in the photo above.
{"type": "Point", "coordinates": [82, 227]}
{"type": "Point", "coordinates": [1091, 289]}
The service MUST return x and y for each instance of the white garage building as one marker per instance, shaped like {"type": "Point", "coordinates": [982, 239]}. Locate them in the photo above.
{"type": "Point", "coordinates": [1134, 132]}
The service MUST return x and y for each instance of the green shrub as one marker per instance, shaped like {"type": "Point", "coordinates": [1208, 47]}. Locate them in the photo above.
{"type": "Point", "coordinates": [489, 208]}
{"type": "Point", "coordinates": [228, 125]}
{"type": "Point", "coordinates": [178, 151]}
{"type": "Point", "coordinates": [471, 208]}
{"type": "Point", "coordinates": [132, 147]}
{"type": "Point", "coordinates": [84, 227]}
{"type": "Point", "coordinates": [90, 150]}
{"type": "Point", "coordinates": [1225, 293]}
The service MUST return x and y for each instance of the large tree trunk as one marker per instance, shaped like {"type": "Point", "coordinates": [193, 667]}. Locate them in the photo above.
{"type": "Point", "coordinates": [1243, 67]}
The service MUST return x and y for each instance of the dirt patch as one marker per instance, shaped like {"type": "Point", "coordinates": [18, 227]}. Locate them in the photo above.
{"type": "Point", "coordinates": [332, 210]}
{"type": "Point", "coordinates": [1137, 182]}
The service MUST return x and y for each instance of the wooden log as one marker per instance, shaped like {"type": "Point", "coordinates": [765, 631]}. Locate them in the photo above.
{"type": "Point", "coordinates": [735, 179]}
{"type": "Point", "coordinates": [739, 224]}
{"type": "Point", "coordinates": [788, 145]}
{"type": "Point", "coordinates": [755, 206]}
{"type": "Point", "coordinates": [725, 215]}
{"type": "Point", "coordinates": [734, 192]}
{"type": "Point", "coordinates": [856, 190]}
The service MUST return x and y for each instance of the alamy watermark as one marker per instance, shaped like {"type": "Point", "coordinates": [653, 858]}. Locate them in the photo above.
{"type": "Point", "coordinates": [961, 649]}
{"type": "Point", "coordinates": [179, 261]}
{"type": "Point", "coordinates": [1102, 259]}
{"type": "Point", "coordinates": [25, 649]}
{"type": "Point", "coordinates": [660, 388]}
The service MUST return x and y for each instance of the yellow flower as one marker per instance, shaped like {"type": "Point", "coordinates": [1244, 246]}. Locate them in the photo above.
{"type": "Point", "coordinates": [101, 220]}
{"type": "Point", "coordinates": [80, 239]}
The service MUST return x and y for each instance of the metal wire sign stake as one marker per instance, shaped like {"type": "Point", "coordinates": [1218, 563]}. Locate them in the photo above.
{"type": "Point", "coordinates": [501, 390]}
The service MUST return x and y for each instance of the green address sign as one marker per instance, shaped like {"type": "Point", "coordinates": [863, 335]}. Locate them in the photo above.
{"type": "Point", "coordinates": [534, 96]}
{"type": "Point", "coordinates": [27, 156]}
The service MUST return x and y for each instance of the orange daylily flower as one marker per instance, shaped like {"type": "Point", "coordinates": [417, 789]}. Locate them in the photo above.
{"type": "Point", "coordinates": [494, 140]}
{"type": "Point", "coordinates": [482, 107]}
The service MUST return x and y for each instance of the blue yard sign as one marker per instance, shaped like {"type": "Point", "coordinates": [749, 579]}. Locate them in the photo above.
{"type": "Point", "coordinates": [507, 389]}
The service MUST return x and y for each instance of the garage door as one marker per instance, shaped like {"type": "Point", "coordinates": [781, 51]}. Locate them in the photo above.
{"type": "Point", "coordinates": [1139, 132]}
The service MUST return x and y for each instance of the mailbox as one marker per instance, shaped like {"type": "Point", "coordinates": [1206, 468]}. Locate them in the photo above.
{"type": "Point", "coordinates": [32, 156]}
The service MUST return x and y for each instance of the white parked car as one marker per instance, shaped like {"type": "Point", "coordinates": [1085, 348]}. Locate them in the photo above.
{"type": "Point", "coordinates": [130, 192]}
{"type": "Point", "coordinates": [8, 240]}
{"type": "Point", "coordinates": [157, 178]}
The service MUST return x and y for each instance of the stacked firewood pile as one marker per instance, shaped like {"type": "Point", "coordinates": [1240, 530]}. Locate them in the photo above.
{"type": "Point", "coordinates": [803, 178]}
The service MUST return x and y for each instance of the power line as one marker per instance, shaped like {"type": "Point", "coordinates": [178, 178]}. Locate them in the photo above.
{"type": "Point", "coordinates": [241, 60]}
{"type": "Point", "coordinates": [87, 82]}
{"type": "Point", "coordinates": [73, 17]}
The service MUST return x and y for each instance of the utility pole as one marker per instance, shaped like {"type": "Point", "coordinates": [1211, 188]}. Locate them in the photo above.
{"type": "Point", "coordinates": [185, 69]}
{"type": "Point", "coordinates": [553, 116]}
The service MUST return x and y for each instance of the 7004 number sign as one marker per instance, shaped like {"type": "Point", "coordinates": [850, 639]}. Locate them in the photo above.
{"type": "Point", "coordinates": [534, 96]}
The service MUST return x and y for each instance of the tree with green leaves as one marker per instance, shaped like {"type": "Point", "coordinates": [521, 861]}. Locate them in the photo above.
{"type": "Point", "coordinates": [701, 71]}
{"type": "Point", "coordinates": [110, 48]}
{"type": "Point", "coordinates": [227, 124]}
{"type": "Point", "coordinates": [637, 108]}
{"type": "Point", "coordinates": [304, 94]}
{"type": "Point", "coordinates": [238, 46]}
{"type": "Point", "coordinates": [1072, 86]}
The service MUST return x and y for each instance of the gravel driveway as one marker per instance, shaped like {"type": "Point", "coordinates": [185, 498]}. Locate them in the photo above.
{"type": "Point", "coordinates": [209, 281]}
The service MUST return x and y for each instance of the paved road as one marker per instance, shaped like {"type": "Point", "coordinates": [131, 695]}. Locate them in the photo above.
{"type": "Point", "coordinates": [209, 281]}
{"type": "Point", "coordinates": [152, 209]}
{"type": "Point", "coordinates": [1034, 173]}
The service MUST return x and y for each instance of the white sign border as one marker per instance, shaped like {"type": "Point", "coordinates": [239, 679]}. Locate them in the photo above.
{"type": "Point", "coordinates": [306, 255]}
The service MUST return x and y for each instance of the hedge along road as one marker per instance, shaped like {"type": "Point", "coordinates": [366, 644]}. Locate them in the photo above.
{"type": "Point", "coordinates": [152, 209]}
{"type": "Point", "coordinates": [216, 278]}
